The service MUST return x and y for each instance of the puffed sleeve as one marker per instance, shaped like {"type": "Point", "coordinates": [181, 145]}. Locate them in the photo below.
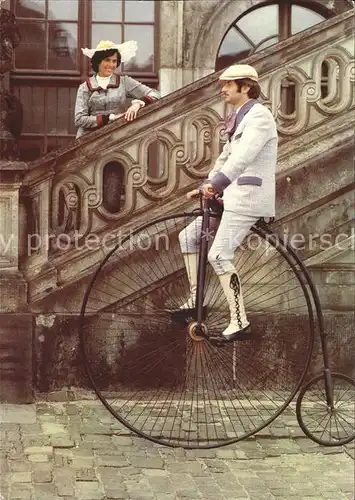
{"type": "Point", "coordinates": [82, 117]}
{"type": "Point", "coordinates": [137, 90]}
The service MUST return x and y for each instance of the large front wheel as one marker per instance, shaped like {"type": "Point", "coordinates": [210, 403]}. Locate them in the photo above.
{"type": "Point", "coordinates": [159, 378]}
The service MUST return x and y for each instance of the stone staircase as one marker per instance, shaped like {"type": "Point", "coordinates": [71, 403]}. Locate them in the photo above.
{"type": "Point", "coordinates": [65, 194]}
{"type": "Point", "coordinates": [59, 204]}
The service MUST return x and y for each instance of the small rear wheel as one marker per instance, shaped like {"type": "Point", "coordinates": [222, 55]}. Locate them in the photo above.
{"type": "Point", "coordinates": [328, 424]}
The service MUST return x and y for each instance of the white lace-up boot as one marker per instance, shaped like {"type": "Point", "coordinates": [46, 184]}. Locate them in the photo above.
{"type": "Point", "coordinates": [238, 320]}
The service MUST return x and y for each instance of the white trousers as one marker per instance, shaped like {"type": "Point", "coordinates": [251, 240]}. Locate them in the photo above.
{"type": "Point", "coordinates": [227, 236]}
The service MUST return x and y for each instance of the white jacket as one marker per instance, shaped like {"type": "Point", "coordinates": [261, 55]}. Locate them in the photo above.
{"type": "Point", "coordinates": [245, 170]}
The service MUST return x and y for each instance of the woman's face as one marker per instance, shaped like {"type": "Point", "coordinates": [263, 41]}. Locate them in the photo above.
{"type": "Point", "coordinates": [108, 65]}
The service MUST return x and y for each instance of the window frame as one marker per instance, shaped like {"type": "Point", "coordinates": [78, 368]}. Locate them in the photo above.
{"type": "Point", "coordinates": [84, 23]}
{"type": "Point", "coordinates": [284, 22]}
{"type": "Point", "coordinates": [46, 22]}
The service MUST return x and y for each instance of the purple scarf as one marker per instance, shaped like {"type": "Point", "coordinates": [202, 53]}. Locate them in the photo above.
{"type": "Point", "coordinates": [234, 119]}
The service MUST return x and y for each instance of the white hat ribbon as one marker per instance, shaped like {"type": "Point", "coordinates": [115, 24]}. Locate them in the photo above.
{"type": "Point", "coordinates": [127, 50]}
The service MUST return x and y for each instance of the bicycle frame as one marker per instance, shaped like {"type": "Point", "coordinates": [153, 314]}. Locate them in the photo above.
{"type": "Point", "coordinates": [201, 277]}
{"type": "Point", "coordinates": [319, 314]}
{"type": "Point", "coordinates": [205, 210]}
{"type": "Point", "coordinates": [201, 272]}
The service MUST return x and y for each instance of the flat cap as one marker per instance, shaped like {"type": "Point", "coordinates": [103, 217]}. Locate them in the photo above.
{"type": "Point", "coordinates": [239, 71]}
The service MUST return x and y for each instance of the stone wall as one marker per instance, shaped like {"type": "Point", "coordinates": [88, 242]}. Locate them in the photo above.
{"type": "Point", "coordinates": [58, 360]}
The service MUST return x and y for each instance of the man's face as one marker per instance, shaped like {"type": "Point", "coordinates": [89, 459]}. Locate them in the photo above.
{"type": "Point", "coordinates": [234, 93]}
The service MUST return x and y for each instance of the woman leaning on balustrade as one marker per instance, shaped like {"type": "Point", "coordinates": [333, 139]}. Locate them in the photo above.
{"type": "Point", "coordinates": [106, 95]}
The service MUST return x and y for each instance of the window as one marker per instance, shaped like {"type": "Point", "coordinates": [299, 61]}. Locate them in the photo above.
{"type": "Point", "coordinates": [52, 34]}
{"type": "Point", "coordinates": [49, 31]}
{"type": "Point", "coordinates": [49, 65]}
{"type": "Point", "coordinates": [131, 20]}
{"type": "Point", "coordinates": [264, 26]}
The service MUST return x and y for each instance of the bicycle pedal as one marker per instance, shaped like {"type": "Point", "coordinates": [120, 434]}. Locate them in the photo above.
{"type": "Point", "coordinates": [185, 316]}
{"type": "Point", "coordinates": [242, 336]}
{"type": "Point", "coordinates": [221, 341]}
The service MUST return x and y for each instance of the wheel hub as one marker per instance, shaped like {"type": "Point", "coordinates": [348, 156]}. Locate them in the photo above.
{"type": "Point", "coordinates": [197, 332]}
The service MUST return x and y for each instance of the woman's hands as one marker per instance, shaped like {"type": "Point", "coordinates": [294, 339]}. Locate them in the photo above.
{"type": "Point", "coordinates": [132, 111]}
{"type": "Point", "coordinates": [130, 114]}
{"type": "Point", "coordinates": [112, 117]}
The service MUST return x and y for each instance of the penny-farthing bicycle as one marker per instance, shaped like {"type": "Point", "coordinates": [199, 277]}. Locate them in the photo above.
{"type": "Point", "coordinates": [158, 372]}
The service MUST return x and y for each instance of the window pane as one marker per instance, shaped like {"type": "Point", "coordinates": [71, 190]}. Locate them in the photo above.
{"type": "Point", "coordinates": [62, 46]}
{"type": "Point", "coordinates": [260, 23]}
{"type": "Point", "coordinates": [66, 10]}
{"type": "Point", "coordinates": [38, 110]}
{"type": "Point", "coordinates": [267, 43]}
{"type": "Point", "coordinates": [139, 11]}
{"type": "Point", "coordinates": [30, 8]}
{"type": "Point", "coordinates": [233, 49]}
{"type": "Point", "coordinates": [111, 32]}
{"type": "Point", "coordinates": [144, 60]}
{"type": "Point", "coordinates": [70, 111]}
{"type": "Point", "coordinates": [107, 10]}
{"type": "Point", "coordinates": [234, 44]}
{"type": "Point", "coordinates": [59, 117]}
{"type": "Point", "coordinates": [303, 18]}
{"type": "Point", "coordinates": [32, 98]}
{"type": "Point", "coordinates": [31, 53]}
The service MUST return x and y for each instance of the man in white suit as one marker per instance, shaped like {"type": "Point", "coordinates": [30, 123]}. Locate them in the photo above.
{"type": "Point", "coordinates": [245, 173]}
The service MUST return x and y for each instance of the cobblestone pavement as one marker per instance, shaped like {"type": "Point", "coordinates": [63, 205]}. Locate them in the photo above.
{"type": "Point", "coordinates": [77, 451]}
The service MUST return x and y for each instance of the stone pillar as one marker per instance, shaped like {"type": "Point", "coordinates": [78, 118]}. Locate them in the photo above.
{"type": "Point", "coordinates": [10, 106]}
{"type": "Point", "coordinates": [16, 374]}
{"type": "Point", "coordinates": [36, 237]}
{"type": "Point", "coordinates": [180, 26]}
{"type": "Point", "coordinates": [171, 46]}
{"type": "Point", "coordinates": [15, 322]}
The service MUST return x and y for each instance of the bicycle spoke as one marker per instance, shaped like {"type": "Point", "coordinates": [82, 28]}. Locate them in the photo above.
{"type": "Point", "coordinates": [157, 376]}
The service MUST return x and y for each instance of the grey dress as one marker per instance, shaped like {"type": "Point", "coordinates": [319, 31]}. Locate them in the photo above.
{"type": "Point", "coordinates": [94, 104]}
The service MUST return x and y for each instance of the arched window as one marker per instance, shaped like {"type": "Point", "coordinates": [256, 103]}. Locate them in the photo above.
{"type": "Point", "coordinates": [263, 26]}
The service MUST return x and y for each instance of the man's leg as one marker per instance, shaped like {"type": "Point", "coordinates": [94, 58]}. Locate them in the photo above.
{"type": "Point", "coordinates": [230, 235]}
{"type": "Point", "coordinates": [189, 239]}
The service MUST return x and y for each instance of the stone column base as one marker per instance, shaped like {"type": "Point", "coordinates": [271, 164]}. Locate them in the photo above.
{"type": "Point", "coordinates": [16, 350]}
{"type": "Point", "coordinates": [16, 344]}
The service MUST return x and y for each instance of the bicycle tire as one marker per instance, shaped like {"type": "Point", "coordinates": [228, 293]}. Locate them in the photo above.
{"type": "Point", "coordinates": [193, 419]}
{"type": "Point", "coordinates": [343, 413]}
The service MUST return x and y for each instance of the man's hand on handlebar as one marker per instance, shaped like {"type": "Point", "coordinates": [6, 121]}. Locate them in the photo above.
{"type": "Point", "coordinates": [206, 190]}
{"type": "Point", "coordinates": [195, 193]}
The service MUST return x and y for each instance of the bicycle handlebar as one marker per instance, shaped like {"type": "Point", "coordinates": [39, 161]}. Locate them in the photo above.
{"type": "Point", "coordinates": [204, 202]}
